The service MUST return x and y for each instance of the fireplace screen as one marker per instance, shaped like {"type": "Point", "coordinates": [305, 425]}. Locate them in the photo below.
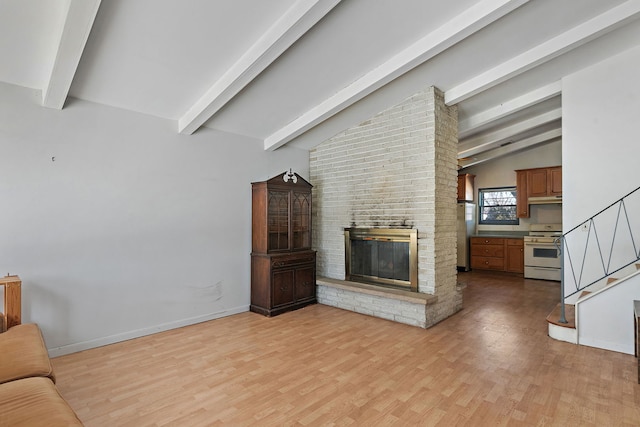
{"type": "Point", "coordinates": [386, 257]}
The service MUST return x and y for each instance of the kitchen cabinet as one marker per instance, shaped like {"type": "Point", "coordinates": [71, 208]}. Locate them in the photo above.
{"type": "Point", "coordinates": [465, 187]}
{"type": "Point", "coordinates": [487, 253]}
{"type": "Point", "coordinates": [498, 254]}
{"type": "Point", "coordinates": [537, 182]}
{"type": "Point", "coordinates": [283, 275]}
{"type": "Point", "coordinates": [522, 199]}
{"type": "Point", "coordinates": [514, 255]}
{"type": "Point", "coordinates": [554, 176]}
{"type": "Point", "coordinates": [543, 182]}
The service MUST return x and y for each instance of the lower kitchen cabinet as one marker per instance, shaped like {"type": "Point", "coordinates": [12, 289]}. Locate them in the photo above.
{"type": "Point", "coordinates": [497, 253]}
{"type": "Point", "coordinates": [487, 253]}
{"type": "Point", "coordinates": [281, 283]}
{"type": "Point", "coordinates": [514, 260]}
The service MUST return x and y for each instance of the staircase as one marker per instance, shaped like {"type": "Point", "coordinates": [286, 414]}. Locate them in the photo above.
{"type": "Point", "coordinates": [600, 279]}
{"type": "Point", "coordinates": [595, 312]}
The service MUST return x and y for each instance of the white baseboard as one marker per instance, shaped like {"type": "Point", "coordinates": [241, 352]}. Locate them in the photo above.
{"type": "Point", "coordinates": [561, 333]}
{"type": "Point", "coordinates": [99, 342]}
{"type": "Point", "coordinates": [607, 345]}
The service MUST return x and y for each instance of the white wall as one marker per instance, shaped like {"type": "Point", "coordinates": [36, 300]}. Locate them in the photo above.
{"type": "Point", "coordinates": [501, 173]}
{"type": "Point", "coordinates": [119, 226]}
{"type": "Point", "coordinates": [600, 112]}
{"type": "Point", "coordinates": [597, 326]}
{"type": "Point", "coordinates": [600, 107]}
{"type": "Point", "coordinates": [600, 127]}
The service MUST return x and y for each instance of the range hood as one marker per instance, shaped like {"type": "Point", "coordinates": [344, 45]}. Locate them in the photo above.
{"type": "Point", "coordinates": [545, 200]}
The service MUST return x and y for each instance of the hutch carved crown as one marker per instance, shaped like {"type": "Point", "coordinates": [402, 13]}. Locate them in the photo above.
{"type": "Point", "coordinates": [283, 265]}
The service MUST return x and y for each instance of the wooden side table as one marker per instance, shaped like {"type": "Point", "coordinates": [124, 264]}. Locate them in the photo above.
{"type": "Point", "coordinates": [12, 301]}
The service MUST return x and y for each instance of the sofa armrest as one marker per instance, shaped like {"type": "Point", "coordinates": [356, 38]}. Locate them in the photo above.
{"type": "Point", "coordinates": [24, 354]}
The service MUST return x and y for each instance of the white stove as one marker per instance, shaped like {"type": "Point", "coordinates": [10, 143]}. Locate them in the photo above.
{"type": "Point", "coordinates": [541, 255]}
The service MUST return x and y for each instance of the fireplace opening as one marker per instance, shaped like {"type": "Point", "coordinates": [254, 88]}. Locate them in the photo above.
{"type": "Point", "coordinates": [382, 256]}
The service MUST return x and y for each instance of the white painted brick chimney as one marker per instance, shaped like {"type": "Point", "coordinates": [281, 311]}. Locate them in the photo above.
{"type": "Point", "coordinates": [398, 169]}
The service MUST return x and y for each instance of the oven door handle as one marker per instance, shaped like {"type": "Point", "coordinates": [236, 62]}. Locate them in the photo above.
{"type": "Point", "coordinates": [549, 244]}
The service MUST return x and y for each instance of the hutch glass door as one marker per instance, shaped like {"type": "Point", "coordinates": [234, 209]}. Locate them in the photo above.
{"type": "Point", "coordinates": [278, 220]}
{"type": "Point", "coordinates": [301, 220]}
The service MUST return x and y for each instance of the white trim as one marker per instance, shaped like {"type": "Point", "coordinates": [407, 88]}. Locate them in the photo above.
{"type": "Point", "coordinates": [569, 40]}
{"type": "Point", "coordinates": [490, 154]}
{"type": "Point", "coordinates": [607, 345]}
{"type": "Point", "coordinates": [484, 142]}
{"type": "Point", "coordinates": [99, 342]}
{"type": "Point", "coordinates": [561, 333]}
{"type": "Point", "coordinates": [299, 19]}
{"type": "Point", "coordinates": [77, 26]}
{"type": "Point", "coordinates": [457, 29]}
{"type": "Point", "coordinates": [468, 125]}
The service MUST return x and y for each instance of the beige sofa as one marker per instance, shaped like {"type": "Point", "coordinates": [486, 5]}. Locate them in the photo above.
{"type": "Point", "coordinates": [28, 395]}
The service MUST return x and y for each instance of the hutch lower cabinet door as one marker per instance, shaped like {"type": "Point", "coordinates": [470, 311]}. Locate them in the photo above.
{"type": "Point", "coordinates": [282, 283]}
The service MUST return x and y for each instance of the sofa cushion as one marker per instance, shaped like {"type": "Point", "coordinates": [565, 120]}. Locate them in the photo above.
{"type": "Point", "coordinates": [23, 354]}
{"type": "Point", "coordinates": [34, 402]}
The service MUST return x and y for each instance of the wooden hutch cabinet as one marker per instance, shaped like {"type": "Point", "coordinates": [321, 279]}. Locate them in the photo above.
{"type": "Point", "coordinates": [283, 266]}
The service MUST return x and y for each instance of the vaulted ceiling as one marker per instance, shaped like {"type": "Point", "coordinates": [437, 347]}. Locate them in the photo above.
{"type": "Point", "coordinates": [299, 71]}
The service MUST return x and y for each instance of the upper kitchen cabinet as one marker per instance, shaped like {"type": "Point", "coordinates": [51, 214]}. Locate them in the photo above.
{"type": "Point", "coordinates": [554, 176]}
{"type": "Point", "coordinates": [543, 182]}
{"type": "Point", "coordinates": [465, 187]}
{"type": "Point", "coordinates": [538, 185]}
{"type": "Point", "coordinates": [522, 199]}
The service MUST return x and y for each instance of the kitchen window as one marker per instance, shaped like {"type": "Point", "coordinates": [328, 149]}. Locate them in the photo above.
{"type": "Point", "coordinates": [497, 206]}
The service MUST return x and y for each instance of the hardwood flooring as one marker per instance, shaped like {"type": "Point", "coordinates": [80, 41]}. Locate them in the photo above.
{"type": "Point", "coordinates": [491, 364]}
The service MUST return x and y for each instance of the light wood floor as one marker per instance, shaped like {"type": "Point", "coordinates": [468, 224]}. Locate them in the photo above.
{"type": "Point", "coordinates": [490, 364]}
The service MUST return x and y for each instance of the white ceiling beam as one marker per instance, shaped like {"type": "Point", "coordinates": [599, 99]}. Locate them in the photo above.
{"type": "Point", "coordinates": [484, 142]}
{"type": "Point", "coordinates": [77, 26]}
{"type": "Point", "coordinates": [298, 19]}
{"type": "Point", "coordinates": [470, 21]}
{"type": "Point", "coordinates": [577, 36]}
{"type": "Point", "coordinates": [545, 137]}
{"type": "Point", "coordinates": [471, 123]}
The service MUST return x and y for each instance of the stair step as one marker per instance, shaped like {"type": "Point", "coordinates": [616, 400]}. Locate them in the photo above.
{"type": "Point", "coordinates": [584, 294]}
{"type": "Point", "coordinates": [610, 280]}
{"type": "Point", "coordinates": [570, 315]}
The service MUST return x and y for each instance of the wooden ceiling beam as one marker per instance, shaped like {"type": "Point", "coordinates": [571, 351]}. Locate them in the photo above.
{"type": "Point", "coordinates": [544, 52]}
{"type": "Point", "coordinates": [299, 19]}
{"type": "Point", "coordinates": [490, 140]}
{"type": "Point", "coordinates": [525, 143]}
{"type": "Point", "coordinates": [462, 26]}
{"type": "Point", "coordinates": [471, 123]}
{"type": "Point", "coordinates": [77, 26]}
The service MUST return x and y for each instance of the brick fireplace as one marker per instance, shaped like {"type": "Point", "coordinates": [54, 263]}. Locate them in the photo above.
{"type": "Point", "coordinates": [395, 170]}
